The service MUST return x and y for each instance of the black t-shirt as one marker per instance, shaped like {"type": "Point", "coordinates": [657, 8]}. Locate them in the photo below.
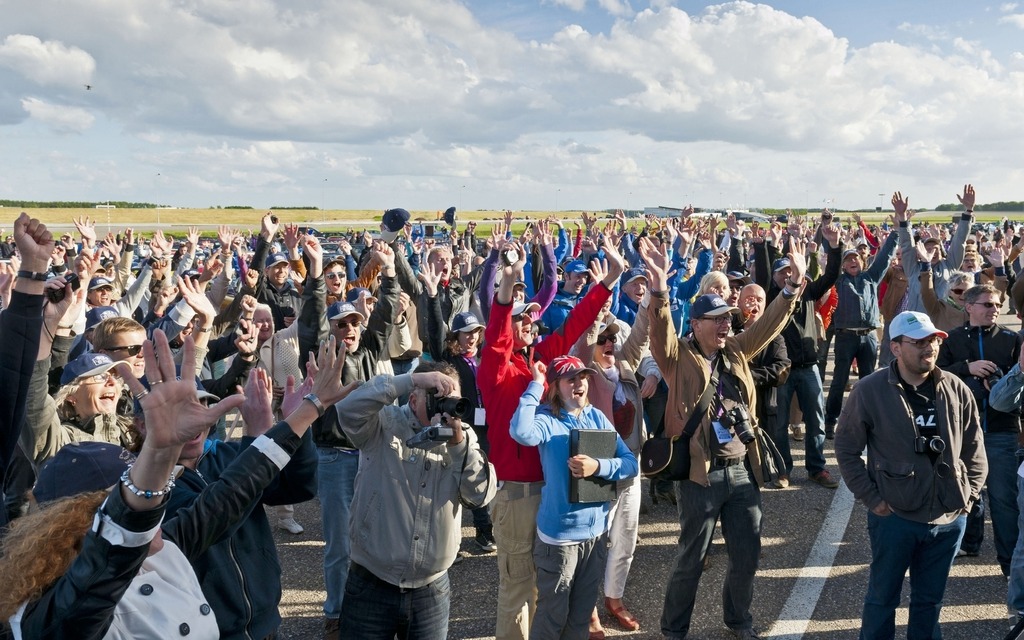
{"type": "Point", "coordinates": [922, 408]}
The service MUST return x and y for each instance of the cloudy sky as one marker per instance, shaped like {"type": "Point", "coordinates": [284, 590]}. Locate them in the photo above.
{"type": "Point", "coordinates": [519, 104]}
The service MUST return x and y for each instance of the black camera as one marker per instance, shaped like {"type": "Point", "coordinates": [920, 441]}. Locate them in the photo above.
{"type": "Point", "coordinates": [457, 407]}
{"type": "Point", "coordinates": [994, 377]}
{"type": "Point", "coordinates": [273, 219]}
{"type": "Point", "coordinates": [431, 437]}
{"type": "Point", "coordinates": [738, 419]}
{"type": "Point", "coordinates": [56, 295]}
{"type": "Point", "coordinates": [926, 444]}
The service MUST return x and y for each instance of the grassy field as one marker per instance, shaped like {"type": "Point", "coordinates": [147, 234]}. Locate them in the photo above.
{"type": "Point", "coordinates": [328, 221]}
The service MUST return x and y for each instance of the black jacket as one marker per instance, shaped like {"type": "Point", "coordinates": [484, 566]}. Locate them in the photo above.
{"type": "Point", "coordinates": [436, 334]}
{"type": "Point", "coordinates": [967, 344]}
{"type": "Point", "coordinates": [80, 605]}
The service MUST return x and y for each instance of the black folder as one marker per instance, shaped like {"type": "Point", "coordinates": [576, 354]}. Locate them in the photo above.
{"type": "Point", "coordinates": [596, 443]}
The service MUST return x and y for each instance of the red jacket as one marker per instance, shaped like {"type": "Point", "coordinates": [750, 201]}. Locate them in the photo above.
{"type": "Point", "coordinates": [504, 374]}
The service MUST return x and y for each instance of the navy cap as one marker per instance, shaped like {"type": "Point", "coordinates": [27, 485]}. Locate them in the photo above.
{"type": "Point", "coordinates": [99, 282]}
{"type": "Point", "coordinates": [449, 216]}
{"type": "Point", "coordinates": [635, 274]}
{"type": "Point", "coordinates": [575, 266]}
{"type": "Point", "coordinates": [340, 310]}
{"type": "Point", "coordinates": [80, 467]}
{"type": "Point", "coordinates": [194, 274]}
{"type": "Point", "coordinates": [355, 293]}
{"type": "Point", "coordinates": [84, 366]}
{"type": "Point", "coordinates": [710, 305]}
{"type": "Point", "coordinates": [738, 276]}
{"type": "Point", "coordinates": [394, 221]}
{"type": "Point", "coordinates": [97, 315]}
{"type": "Point", "coordinates": [466, 321]}
{"type": "Point", "coordinates": [276, 258]}
{"type": "Point", "coordinates": [780, 264]}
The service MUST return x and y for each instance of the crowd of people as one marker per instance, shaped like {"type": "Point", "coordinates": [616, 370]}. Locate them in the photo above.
{"type": "Point", "coordinates": [398, 377]}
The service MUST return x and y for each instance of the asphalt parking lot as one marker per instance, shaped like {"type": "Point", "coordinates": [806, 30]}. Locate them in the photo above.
{"type": "Point", "coordinates": [811, 582]}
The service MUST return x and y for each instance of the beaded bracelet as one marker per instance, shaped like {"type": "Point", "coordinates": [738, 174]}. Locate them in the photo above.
{"type": "Point", "coordinates": [145, 493]}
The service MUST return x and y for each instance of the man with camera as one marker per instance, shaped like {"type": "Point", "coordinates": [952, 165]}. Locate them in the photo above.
{"type": "Point", "coordinates": [925, 467]}
{"type": "Point", "coordinates": [709, 375]}
{"type": "Point", "coordinates": [979, 353]}
{"type": "Point", "coordinates": [418, 465]}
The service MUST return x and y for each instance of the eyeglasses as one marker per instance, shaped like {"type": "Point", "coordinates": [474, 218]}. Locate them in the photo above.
{"type": "Point", "coordinates": [958, 292]}
{"type": "Point", "coordinates": [935, 340]}
{"type": "Point", "coordinates": [348, 323]}
{"type": "Point", "coordinates": [334, 275]}
{"type": "Point", "coordinates": [606, 339]}
{"type": "Point", "coordinates": [100, 378]}
{"type": "Point", "coordinates": [987, 305]}
{"type": "Point", "coordinates": [131, 349]}
{"type": "Point", "coordinates": [518, 318]}
{"type": "Point", "coordinates": [726, 319]}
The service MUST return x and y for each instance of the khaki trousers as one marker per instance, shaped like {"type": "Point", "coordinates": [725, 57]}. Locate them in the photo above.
{"type": "Point", "coordinates": [514, 513]}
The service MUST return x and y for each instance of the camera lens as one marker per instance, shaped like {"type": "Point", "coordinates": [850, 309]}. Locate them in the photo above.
{"type": "Point", "coordinates": [936, 444]}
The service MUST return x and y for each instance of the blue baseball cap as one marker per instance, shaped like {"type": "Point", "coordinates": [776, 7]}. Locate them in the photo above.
{"type": "Point", "coordinates": [340, 310]}
{"type": "Point", "coordinates": [394, 221]}
{"type": "Point", "coordinates": [357, 292]}
{"type": "Point", "coordinates": [80, 467]}
{"type": "Point", "coordinates": [780, 264]}
{"type": "Point", "coordinates": [97, 315]}
{"type": "Point", "coordinates": [99, 282]}
{"type": "Point", "coordinates": [635, 274]}
{"type": "Point", "coordinates": [575, 266]}
{"type": "Point", "coordinates": [84, 366]}
{"type": "Point", "coordinates": [710, 305]}
{"type": "Point", "coordinates": [449, 216]}
{"type": "Point", "coordinates": [466, 321]}
{"type": "Point", "coordinates": [276, 258]}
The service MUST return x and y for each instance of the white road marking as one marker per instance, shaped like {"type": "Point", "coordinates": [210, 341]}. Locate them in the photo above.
{"type": "Point", "coordinates": [796, 613]}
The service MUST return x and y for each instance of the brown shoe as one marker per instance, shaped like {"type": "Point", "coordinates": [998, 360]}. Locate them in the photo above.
{"type": "Point", "coordinates": [332, 629]}
{"type": "Point", "coordinates": [825, 479]}
{"type": "Point", "coordinates": [621, 614]}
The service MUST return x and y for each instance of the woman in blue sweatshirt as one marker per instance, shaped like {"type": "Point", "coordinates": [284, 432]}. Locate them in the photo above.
{"type": "Point", "coordinates": [571, 541]}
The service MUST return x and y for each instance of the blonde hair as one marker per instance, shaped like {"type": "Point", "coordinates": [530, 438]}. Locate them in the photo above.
{"type": "Point", "coordinates": [104, 332]}
{"type": "Point", "coordinates": [554, 400]}
{"type": "Point", "coordinates": [41, 546]}
{"type": "Point", "coordinates": [713, 279]}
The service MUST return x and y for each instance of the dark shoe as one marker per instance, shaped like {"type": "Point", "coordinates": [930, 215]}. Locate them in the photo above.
{"type": "Point", "coordinates": [825, 479]}
{"type": "Point", "coordinates": [485, 540]}
{"type": "Point", "coordinates": [745, 634]}
{"type": "Point", "coordinates": [621, 615]}
{"type": "Point", "coordinates": [332, 629]}
{"type": "Point", "coordinates": [830, 432]}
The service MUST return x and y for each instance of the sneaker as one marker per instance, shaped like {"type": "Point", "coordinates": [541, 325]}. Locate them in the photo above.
{"type": "Point", "coordinates": [485, 541]}
{"type": "Point", "coordinates": [797, 432]}
{"type": "Point", "coordinates": [963, 553]}
{"type": "Point", "coordinates": [289, 525]}
{"type": "Point", "coordinates": [332, 629]}
{"type": "Point", "coordinates": [781, 482]}
{"type": "Point", "coordinates": [745, 634]}
{"type": "Point", "coordinates": [830, 432]}
{"type": "Point", "coordinates": [825, 479]}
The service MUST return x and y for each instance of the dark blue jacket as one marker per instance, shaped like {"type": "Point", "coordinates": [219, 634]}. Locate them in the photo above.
{"type": "Point", "coordinates": [240, 574]}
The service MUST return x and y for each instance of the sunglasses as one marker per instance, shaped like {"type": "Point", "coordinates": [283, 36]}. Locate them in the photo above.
{"type": "Point", "coordinates": [958, 292]}
{"type": "Point", "coordinates": [348, 323]}
{"type": "Point", "coordinates": [726, 319]}
{"type": "Point", "coordinates": [132, 349]}
{"type": "Point", "coordinates": [606, 339]}
{"type": "Point", "coordinates": [987, 305]}
{"type": "Point", "coordinates": [936, 340]}
{"type": "Point", "coordinates": [335, 275]}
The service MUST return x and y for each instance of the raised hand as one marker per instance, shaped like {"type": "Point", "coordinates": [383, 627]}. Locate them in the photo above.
{"type": "Point", "coordinates": [616, 263]}
{"type": "Point", "coordinates": [385, 256]}
{"type": "Point", "coordinates": [86, 229]}
{"type": "Point", "coordinates": [545, 237]}
{"type": "Point", "coordinates": [430, 277]}
{"type": "Point", "coordinates": [657, 264]}
{"type": "Point", "coordinates": [35, 243]}
{"type": "Point", "coordinates": [923, 254]}
{"type": "Point", "coordinates": [797, 261]}
{"type": "Point", "coordinates": [997, 257]}
{"type": "Point", "coordinates": [211, 268]}
{"type": "Point", "coordinates": [291, 238]}
{"type": "Point", "coordinates": [831, 233]}
{"type": "Point", "coordinates": [539, 370]}
{"type": "Point", "coordinates": [192, 238]}
{"type": "Point", "coordinates": [899, 207]}
{"type": "Point", "coordinates": [160, 245]}
{"type": "Point", "coordinates": [967, 199]}
{"type": "Point", "coordinates": [248, 340]}
{"type": "Point", "coordinates": [257, 410]}
{"type": "Point", "coordinates": [268, 228]}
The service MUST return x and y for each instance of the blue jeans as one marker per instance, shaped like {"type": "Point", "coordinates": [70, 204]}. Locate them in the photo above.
{"type": "Point", "coordinates": [849, 347]}
{"type": "Point", "coordinates": [898, 544]}
{"type": "Point", "coordinates": [377, 610]}
{"type": "Point", "coordinates": [734, 497]}
{"type": "Point", "coordinates": [1015, 590]}
{"type": "Point", "coordinates": [336, 483]}
{"type": "Point", "coordinates": [805, 383]}
{"type": "Point", "coordinates": [1001, 490]}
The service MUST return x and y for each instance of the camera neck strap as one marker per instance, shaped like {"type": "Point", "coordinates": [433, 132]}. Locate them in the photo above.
{"type": "Point", "coordinates": [701, 410]}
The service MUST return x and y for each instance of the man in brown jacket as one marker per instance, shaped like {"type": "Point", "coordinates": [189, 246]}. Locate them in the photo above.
{"type": "Point", "coordinates": [720, 481]}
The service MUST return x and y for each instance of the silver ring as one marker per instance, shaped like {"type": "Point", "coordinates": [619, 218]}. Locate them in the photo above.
{"type": "Point", "coordinates": [155, 382]}
{"type": "Point", "coordinates": [142, 394]}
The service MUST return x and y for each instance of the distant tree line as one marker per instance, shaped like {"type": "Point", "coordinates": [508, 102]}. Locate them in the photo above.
{"type": "Point", "coordinates": [120, 204]}
{"type": "Point", "coordinates": [298, 208]}
{"type": "Point", "coordinates": [1015, 205]}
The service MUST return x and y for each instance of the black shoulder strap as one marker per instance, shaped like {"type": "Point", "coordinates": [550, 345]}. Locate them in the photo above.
{"type": "Point", "coordinates": [702, 407]}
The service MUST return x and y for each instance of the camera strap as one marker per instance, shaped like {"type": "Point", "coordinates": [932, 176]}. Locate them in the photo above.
{"type": "Point", "coordinates": [699, 411]}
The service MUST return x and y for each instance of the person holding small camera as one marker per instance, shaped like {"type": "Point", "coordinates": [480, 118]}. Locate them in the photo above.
{"type": "Point", "coordinates": [925, 466]}
{"type": "Point", "coordinates": [418, 465]}
{"type": "Point", "coordinates": [979, 353]}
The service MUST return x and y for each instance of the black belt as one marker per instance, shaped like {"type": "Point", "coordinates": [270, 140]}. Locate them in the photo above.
{"type": "Point", "coordinates": [722, 463]}
{"type": "Point", "coordinates": [856, 332]}
{"type": "Point", "coordinates": [370, 576]}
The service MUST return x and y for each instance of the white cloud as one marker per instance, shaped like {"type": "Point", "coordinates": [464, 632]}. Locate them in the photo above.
{"type": "Point", "coordinates": [1007, 7]}
{"type": "Point", "coordinates": [1016, 20]}
{"type": "Point", "coordinates": [59, 118]}
{"type": "Point", "coordinates": [46, 63]}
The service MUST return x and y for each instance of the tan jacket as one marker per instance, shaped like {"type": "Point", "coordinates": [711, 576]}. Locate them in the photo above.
{"type": "Point", "coordinates": [686, 373]}
{"type": "Point", "coordinates": [896, 285]}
